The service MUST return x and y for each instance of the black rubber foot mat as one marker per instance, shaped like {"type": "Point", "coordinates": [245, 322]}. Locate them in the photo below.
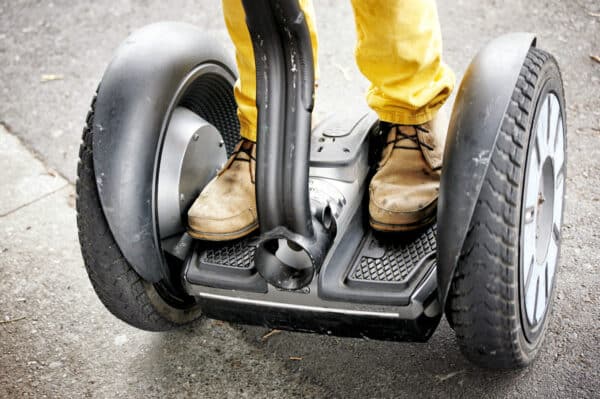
{"type": "Point", "coordinates": [228, 265]}
{"type": "Point", "coordinates": [386, 258]}
{"type": "Point", "coordinates": [238, 254]}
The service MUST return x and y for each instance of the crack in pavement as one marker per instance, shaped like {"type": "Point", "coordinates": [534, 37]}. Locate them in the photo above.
{"type": "Point", "coordinates": [34, 200]}
{"type": "Point", "coordinates": [32, 151]}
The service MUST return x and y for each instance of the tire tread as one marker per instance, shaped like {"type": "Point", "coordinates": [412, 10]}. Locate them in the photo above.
{"type": "Point", "coordinates": [483, 306]}
{"type": "Point", "coordinates": [119, 287]}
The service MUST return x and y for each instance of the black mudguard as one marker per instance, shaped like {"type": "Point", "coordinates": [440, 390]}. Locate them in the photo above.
{"type": "Point", "coordinates": [481, 102]}
{"type": "Point", "coordinates": [134, 103]}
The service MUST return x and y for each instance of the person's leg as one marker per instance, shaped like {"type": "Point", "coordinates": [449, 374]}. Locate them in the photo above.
{"type": "Point", "coordinates": [245, 87]}
{"type": "Point", "coordinates": [399, 49]}
{"type": "Point", "coordinates": [226, 208]}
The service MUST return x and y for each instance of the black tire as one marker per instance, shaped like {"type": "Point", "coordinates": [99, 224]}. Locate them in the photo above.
{"type": "Point", "coordinates": [485, 305]}
{"type": "Point", "coordinates": [122, 291]}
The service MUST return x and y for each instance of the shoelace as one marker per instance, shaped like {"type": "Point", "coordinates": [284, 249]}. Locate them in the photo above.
{"type": "Point", "coordinates": [242, 150]}
{"type": "Point", "coordinates": [400, 136]}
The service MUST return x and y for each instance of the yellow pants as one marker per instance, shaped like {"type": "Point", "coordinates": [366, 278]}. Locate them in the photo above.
{"type": "Point", "coordinates": [399, 49]}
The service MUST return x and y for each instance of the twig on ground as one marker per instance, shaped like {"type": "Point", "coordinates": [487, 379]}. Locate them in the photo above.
{"type": "Point", "coordinates": [444, 377]}
{"type": "Point", "coordinates": [51, 77]}
{"type": "Point", "coordinates": [270, 334]}
{"type": "Point", "coordinates": [595, 58]}
{"type": "Point", "coordinates": [12, 320]}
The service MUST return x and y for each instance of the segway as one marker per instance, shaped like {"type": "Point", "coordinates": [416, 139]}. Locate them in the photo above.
{"type": "Point", "coordinates": [163, 122]}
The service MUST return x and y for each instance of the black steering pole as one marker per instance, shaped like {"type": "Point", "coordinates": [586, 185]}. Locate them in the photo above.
{"type": "Point", "coordinates": [293, 242]}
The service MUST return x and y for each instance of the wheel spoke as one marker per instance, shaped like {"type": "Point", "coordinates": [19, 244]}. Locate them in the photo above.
{"type": "Point", "coordinates": [553, 121]}
{"type": "Point", "coordinates": [529, 238]}
{"type": "Point", "coordinates": [528, 251]}
{"type": "Point", "coordinates": [529, 272]}
{"type": "Point", "coordinates": [559, 182]}
{"type": "Point", "coordinates": [533, 176]}
{"type": "Point", "coordinates": [559, 150]}
{"type": "Point", "coordinates": [541, 132]}
{"type": "Point", "coordinates": [535, 289]}
{"type": "Point", "coordinates": [540, 303]}
{"type": "Point", "coordinates": [530, 288]}
{"type": "Point", "coordinates": [551, 260]}
{"type": "Point", "coordinates": [558, 202]}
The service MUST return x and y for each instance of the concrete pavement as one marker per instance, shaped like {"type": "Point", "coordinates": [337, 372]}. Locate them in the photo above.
{"type": "Point", "coordinates": [57, 340]}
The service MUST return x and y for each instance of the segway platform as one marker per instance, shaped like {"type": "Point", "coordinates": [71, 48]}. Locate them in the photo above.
{"type": "Point", "coordinates": [384, 274]}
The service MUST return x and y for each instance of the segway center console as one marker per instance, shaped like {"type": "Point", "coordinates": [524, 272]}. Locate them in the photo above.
{"type": "Point", "coordinates": [163, 122]}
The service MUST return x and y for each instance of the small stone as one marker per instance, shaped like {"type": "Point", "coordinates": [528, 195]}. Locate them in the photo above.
{"type": "Point", "coordinates": [55, 365]}
{"type": "Point", "coordinates": [120, 339]}
{"type": "Point", "coordinates": [57, 133]}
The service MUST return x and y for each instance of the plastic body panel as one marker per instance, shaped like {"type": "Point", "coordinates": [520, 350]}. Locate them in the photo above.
{"type": "Point", "coordinates": [138, 92]}
{"type": "Point", "coordinates": [412, 325]}
{"type": "Point", "coordinates": [481, 102]}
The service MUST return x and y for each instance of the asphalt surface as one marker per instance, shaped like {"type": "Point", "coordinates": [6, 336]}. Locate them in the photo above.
{"type": "Point", "coordinates": [57, 340]}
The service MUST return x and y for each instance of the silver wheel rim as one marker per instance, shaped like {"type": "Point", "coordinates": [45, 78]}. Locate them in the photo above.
{"type": "Point", "coordinates": [543, 206]}
{"type": "Point", "coordinates": [192, 152]}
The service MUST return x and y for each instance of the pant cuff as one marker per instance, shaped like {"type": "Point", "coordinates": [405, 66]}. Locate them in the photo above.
{"type": "Point", "coordinates": [247, 130]}
{"type": "Point", "coordinates": [407, 117]}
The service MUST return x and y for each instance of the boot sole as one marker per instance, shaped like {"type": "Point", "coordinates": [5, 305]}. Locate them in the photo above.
{"type": "Point", "coordinates": [389, 228]}
{"type": "Point", "coordinates": [203, 235]}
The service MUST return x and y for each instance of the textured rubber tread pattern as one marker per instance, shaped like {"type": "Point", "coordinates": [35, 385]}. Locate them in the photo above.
{"type": "Point", "coordinates": [483, 304]}
{"type": "Point", "coordinates": [211, 97]}
{"type": "Point", "coordinates": [121, 290]}
{"type": "Point", "coordinates": [239, 254]}
{"type": "Point", "coordinates": [396, 259]}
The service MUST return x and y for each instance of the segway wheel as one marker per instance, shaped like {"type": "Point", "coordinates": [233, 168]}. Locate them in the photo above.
{"type": "Point", "coordinates": [124, 293]}
{"type": "Point", "coordinates": [163, 305]}
{"type": "Point", "coordinates": [502, 293]}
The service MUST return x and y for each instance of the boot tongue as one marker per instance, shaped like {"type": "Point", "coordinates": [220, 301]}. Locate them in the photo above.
{"type": "Point", "coordinates": [406, 137]}
{"type": "Point", "coordinates": [247, 145]}
{"type": "Point", "coordinates": [245, 151]}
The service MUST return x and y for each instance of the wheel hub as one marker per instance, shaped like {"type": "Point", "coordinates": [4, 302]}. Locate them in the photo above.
{"type": "Point", "coordinates": [192, 154]}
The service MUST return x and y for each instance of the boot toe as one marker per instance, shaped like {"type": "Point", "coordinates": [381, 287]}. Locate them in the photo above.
{"type": "Point", "coordinates": [397, 211]}
{"type": "Point", "coordinates": [217, 227]}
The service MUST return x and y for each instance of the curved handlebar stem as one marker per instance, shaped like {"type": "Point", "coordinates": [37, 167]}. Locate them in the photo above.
{"type": "Point", "coordinates": [284, 99]}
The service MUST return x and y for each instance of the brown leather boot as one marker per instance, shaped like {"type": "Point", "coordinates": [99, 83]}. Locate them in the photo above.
{"type": "Point", "coordinates": [226, 208]}
{"type": "Point", "coordinates": [405, 189]}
